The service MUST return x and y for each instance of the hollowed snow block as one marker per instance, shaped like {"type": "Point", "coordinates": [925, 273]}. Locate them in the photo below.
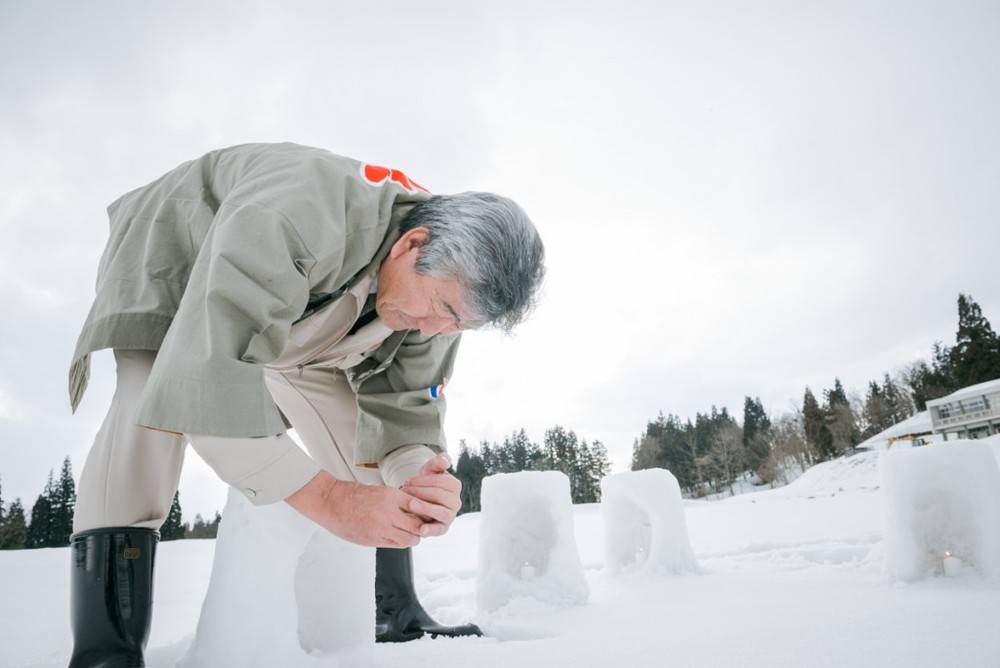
{"type": "Point", "coordinates": [527, 541]}
{"type": "Point", "coordinates": [938, 499]}
{"type": "Point", "coordinates": [284, 592]}
{"type": "Point", "coordinates": [644, 525]}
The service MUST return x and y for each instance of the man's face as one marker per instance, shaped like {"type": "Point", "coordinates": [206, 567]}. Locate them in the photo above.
{"type": "Point", "coordinates": [408, 300]}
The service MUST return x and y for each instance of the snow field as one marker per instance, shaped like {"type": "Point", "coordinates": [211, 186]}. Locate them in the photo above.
{"type": "Point", "coordinates": [788, 577]}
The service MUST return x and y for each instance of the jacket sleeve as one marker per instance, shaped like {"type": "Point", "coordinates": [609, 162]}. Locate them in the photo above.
{"type": "Point", "coordinates": [402, 404]}
{"type": "Point", "coordinates": [249, 282]}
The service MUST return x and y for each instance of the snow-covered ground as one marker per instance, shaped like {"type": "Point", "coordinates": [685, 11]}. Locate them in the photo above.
{"type": "Point", "coordinates": [789, 577]}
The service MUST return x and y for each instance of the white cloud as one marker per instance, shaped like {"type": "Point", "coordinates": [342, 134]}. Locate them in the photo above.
{"type": "Point", "coordinates": [10, 409]}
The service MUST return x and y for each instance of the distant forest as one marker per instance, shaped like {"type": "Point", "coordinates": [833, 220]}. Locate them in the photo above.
{"type": "Point", "coordinates": [561, 450]}
{"type": "Point", "coordinates": [715, 450]}
{"type": "Point", "coordinates": [51, 522]}
{"type": "Point", "coordinates": [707, 455]}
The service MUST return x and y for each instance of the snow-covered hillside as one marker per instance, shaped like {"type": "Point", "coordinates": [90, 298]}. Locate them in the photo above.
{"type": "Point", "coordinates": [789, 577]}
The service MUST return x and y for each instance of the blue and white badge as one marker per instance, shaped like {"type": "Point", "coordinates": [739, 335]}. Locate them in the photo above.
{"type": "Point", "coordinates": [437, 390]}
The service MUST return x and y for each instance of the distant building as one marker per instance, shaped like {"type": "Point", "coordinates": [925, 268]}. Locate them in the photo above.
{"type": "Point", "coordinates": [972, 412]}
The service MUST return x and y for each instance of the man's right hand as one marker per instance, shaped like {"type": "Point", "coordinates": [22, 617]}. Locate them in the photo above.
{"type": "Point", "coordinates": [371, 515]}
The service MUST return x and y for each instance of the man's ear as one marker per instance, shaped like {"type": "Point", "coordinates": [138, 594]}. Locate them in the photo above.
{"type": "Point", "coordinates": [411, 240]}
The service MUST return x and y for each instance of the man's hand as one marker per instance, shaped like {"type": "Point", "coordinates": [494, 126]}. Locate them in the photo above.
{"type": "Point", "coordinates": [370, 515]}
{"type": "Point", "coordinates": [437, 496]}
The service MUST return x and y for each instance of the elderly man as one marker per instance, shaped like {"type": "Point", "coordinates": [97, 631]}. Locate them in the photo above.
{"type": "Point", "coordinates": [262, 287]}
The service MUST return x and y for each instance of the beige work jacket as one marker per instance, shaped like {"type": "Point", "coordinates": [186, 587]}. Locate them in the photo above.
{"type": "Point", "coordinates": [213, 262]}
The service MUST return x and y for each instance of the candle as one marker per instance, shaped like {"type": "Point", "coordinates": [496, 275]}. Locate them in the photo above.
{"type": "Point", "coordinates": [952, 565]}
{"type": "Point", "coordinates": [527, 571]}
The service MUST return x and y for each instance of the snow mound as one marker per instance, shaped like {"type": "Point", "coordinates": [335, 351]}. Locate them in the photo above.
{"type": "Point", "coordinates": [284, 592]}
{"type": "Point", "coordinates": [941, 502]}
{"type": "Point", "coordinates": [854, 473]}
{"type": "Point", "coordinates": [644, 526]}
{"type": "Point", "coordinates": [527, 541]}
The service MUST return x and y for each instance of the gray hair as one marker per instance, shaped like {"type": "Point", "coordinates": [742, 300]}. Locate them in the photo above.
{"type": "Point", "coordinates": [489, 245]}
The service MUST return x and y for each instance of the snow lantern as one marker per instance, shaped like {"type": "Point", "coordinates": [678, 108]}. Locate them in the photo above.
{"type": "Point", "coordinates": [284, 592]}
{"type": "Point", "coordinates": [527, 541]}
{"type": "Point", "coordinates": [644, 525]}
{"type": "Point", "coordinates": [941, 510]}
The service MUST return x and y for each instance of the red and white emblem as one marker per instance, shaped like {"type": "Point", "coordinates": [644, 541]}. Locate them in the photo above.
{"type": "Point", "coordinates": [377, 175]}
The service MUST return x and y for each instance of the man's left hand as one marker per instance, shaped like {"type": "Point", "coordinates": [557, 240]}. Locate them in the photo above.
{"type": "Point", "coordinates": [437, 496]}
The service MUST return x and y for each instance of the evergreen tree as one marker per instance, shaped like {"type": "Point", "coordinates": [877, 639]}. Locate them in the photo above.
{"type": "Point", "coordinates": [683, 451]}
{"type": "Point", "coordinates": [14, 533]}
{"type": "Point", "coordinates": [522, 453]}
{"type": "Point", "coordinates": [707, 445]}
{"type": "Point", "coordinates": [876, 416]}
{"type": "Point", "coordinates": [932, 381]}
{"type": "Point", "coordinates": [582, 484]}
{"type": "Point", "coordinates": [669, 445]}
{"type": "Point", "coordinates": [560, 450]}
{"type": "Point", "coordinates": [563, 453]}
{"type": "Point", "coordinates": [692, 449]}
{"type": "Point", "coordinates": [598, 466]}
{"type": "Point", "coordinates": [884, 405]}
{"type": "Point", "coordinates": [591, 465]}
{"type": "Point", "coordinates": [63, 504]}
{"type": "Point", "coordinates": [840, 421]}
{"type": "Point", "coordinates": [2, 516]}
{"type": "Point", "coordinates": [814, 426]}
{"type": "Point", "coordinates": [198, 527]}
{"type": "Point", "coordinates": [203, 529]}
{"type": "Point", "coordinates": [837, 395]}
{"type": "Point", "coordinates": [726, 457]}
{"type": "Point", "coordinates": [469, 469]}
{"type": "Point", "coordinates": [646, 453]}
{"type": "Point", "coordinates": [701, 442]}
{"type": "Point", "coordinates": [494, 458]}
{"type": "Point", "coordinates": [213, 527]}
{"type": "Point", "coordinates": [643, 455]}
{"type": "Point", "coordinates": [40, 527]}
{"type": "Point", "coordinates": [173, 528]}
{"type": "Point", "coordinates": [756, 435]}
{"type": "Point", "coordinates": [898, 403]}
{"type": "Point", "coordinates": [976, 355]}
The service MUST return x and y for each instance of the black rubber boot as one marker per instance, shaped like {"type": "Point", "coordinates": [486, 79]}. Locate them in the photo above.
{"type": "Point", "coordinates": [111, 596]}
{"type": "Point", "coordinates": [399, 617]}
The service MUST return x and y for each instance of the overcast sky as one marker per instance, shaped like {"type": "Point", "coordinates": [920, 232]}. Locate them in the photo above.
{"type": "Point", "coordinates": [736, 198]}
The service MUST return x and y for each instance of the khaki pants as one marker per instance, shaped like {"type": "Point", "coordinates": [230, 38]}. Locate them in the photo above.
{"type": "Point", "coordinates": [132, 473]}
